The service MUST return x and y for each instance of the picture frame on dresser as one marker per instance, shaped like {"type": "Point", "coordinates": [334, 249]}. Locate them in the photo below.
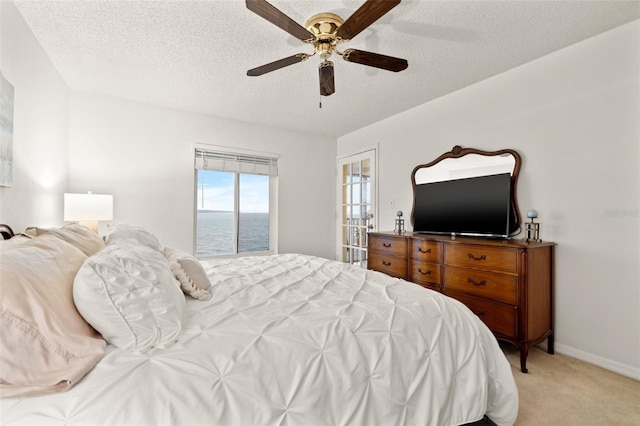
{"type": "Point", "coordinates": [507, 282]}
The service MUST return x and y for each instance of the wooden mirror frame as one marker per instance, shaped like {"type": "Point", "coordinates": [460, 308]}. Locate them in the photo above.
{"type": "Point", "coordinates": [458, 152]}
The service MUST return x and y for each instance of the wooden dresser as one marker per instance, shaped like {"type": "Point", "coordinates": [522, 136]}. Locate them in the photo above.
{"type": "Point", "coordinates": [507, 283]}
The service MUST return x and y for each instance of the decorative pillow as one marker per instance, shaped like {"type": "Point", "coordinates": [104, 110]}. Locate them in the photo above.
{"type": "Point", "coordinates": [47, 346]}
{"type": "Point", "coordinates": [128, 293]}
{"type": "Point", "coordinates": [77, 235]}
{"type": "Point", "coordinates": [30, 232]}
{"type": "Point", "coordinates": [190, 273]}
{"type": "Point", "coordinates": [125, 232]}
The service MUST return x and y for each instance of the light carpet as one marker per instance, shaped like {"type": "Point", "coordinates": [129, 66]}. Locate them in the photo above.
{"type": "Point", "coordinates": [560, 390]}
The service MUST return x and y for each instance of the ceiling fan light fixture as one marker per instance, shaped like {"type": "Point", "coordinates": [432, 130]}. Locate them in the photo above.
{"type": "Point", "coordinates": [324, 50]}
{"type": "Point", "coordinates": [327, 82]}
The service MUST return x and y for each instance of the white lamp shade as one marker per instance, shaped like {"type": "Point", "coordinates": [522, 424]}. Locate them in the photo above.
{"type": "Point", "coordinates": [88, 207]}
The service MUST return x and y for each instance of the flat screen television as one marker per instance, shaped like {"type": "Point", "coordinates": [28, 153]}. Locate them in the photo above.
{"type": "Point", "coordinates": [476, 206]}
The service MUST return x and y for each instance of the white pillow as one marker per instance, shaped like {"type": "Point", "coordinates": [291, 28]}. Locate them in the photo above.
{"type": "Point", "coordinates": [132, 233]}
{"type": "Point", "coordinates": [129, 295]}
{"type": "Point", "coordinates": [190, 273]}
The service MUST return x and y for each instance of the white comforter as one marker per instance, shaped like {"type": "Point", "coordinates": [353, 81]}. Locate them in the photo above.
{"type": "Point", "coordinates": [299, 340]}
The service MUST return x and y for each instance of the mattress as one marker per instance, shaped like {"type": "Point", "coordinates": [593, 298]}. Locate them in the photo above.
{"type": "Point", "coordinates": [299, 340]}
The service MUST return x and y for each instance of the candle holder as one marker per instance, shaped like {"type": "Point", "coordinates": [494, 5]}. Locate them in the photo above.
{"type": "Point", "coordinates": [399, 228]}
{"type": "Point", "coordinates": [532, 229]}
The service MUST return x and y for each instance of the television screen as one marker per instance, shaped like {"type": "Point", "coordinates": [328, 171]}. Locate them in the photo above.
{"type": "Point", "coordinates": [479, 206]}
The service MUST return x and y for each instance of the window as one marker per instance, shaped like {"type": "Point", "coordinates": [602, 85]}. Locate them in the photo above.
{"type": "Point", "coordinates": [235, 203]}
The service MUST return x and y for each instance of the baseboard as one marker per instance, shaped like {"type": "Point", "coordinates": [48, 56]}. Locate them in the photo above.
{"type": "Point", "coordinates": [607, 364]}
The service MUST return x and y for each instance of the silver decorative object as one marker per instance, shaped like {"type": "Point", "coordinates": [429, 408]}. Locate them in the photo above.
{"type": "Point", "coordinates": [532, 229]}
{"type": "Point", "coordinates": [399, 228]}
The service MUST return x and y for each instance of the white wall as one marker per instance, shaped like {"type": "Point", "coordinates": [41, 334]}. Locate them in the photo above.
{"type": "Point", "coordinates": [574, 117]}
{"type": "Point", "coordinates": [41, 122]}
{"type": "Point", "coordinates": [143, 155]}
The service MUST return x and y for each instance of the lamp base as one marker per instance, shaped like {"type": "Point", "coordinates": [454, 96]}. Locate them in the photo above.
{"type": "Point", "coordinates": [93, 226]}
{"type": "Point", "coordinates": [532, 232]}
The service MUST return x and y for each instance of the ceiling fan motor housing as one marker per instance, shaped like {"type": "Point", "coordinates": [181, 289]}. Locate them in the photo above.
{"type": "Point", "coordinates": [325, 31]}
{"type": "Point", "coordinates": [324, 26]}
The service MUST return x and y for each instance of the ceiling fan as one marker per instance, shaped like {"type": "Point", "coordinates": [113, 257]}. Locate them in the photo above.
{"type": "Point", "coordinates": [325, 31]}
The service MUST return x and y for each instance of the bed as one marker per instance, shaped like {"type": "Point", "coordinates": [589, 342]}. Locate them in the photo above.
{"type": "Point", "coordinates": [281, 339]}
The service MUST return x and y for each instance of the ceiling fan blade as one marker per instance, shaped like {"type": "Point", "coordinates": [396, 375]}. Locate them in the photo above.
{"type": "Point", "coordinates": [276, 65]}
{"type": "Point", "coordinates": [276, 17]}
{"type": "Point", "coordinates": [367, 14]}
{"type": "Point", "coordinates": [327, 83]}
{"type": "Point", "coordinates": [376, 60]}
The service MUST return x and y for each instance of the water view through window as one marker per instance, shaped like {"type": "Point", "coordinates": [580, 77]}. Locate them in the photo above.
{"type": "Point", "coordinates": [218, 195]}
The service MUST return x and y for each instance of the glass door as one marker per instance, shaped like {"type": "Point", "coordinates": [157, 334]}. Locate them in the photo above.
{"type": "Point", "coordinates": [356, 201]}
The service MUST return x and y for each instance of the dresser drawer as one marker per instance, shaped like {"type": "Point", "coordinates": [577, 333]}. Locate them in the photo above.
{"type": "Point", "coordinates": [481, 257]}
{"type": "Point", "coordinates": [424, 272]}
{"type": "Point", "coordinates": [396, 246]}
{"type": "Point", "coordinates": [500, 318]}
{"type": "Point", "coordinates": [500, 287]}
{"type": "Point", "coordinates": [390, 265]}
{"type": "Point", "coordinates": [424, 250]}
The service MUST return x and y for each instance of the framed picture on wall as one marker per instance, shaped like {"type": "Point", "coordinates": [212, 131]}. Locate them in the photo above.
{"type": "Point", "coordinates": [6, 132]}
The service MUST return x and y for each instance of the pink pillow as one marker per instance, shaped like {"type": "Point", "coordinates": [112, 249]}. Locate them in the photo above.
{"type": "Point", "coordinates": [78, 236]}
{"type": "Point", "coordinates": [47, 346]}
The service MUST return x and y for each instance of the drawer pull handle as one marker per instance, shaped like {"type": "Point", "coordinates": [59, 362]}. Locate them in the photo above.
{"type": "Point", "coordinates": [483, 257]}
{"type": "Point", "coordinates": [425, 272]}
{"type": "Point", "coordinates": [424, 251]}
{"type": "Point", "coordinates": [387, 245]}
{"type": "Point", "coordinates": [471, 281]}
{"type": "Point", "coordinates": [385, 263]}
{"type": "Point", "coordinates": [480, 313]}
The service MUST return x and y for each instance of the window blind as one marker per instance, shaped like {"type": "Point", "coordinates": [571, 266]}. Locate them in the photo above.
{"type": "Point", "coordinates": [234, 162]}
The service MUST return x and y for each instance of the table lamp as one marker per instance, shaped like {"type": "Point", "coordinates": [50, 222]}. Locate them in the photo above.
{"type": "Point", "coordinates": [399, 228]}
{"type": "Point", "coordinates": [532, 229]}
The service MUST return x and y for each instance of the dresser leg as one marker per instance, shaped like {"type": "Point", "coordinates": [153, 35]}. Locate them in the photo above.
{"type": "Point", "coordinates": [524, 352]}
{"type": "Point", "coordinates": [550, 349]}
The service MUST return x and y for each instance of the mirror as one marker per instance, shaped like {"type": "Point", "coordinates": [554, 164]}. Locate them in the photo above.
{"type": "Point", "coordinates": [462, 163]}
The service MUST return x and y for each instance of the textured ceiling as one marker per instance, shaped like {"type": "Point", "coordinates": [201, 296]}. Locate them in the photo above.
{"type": "Point", "coordinates": [193, 55]}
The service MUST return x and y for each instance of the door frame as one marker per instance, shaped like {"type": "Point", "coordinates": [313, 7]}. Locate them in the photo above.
{"type": "Point", "coordinates": [373, 151]}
